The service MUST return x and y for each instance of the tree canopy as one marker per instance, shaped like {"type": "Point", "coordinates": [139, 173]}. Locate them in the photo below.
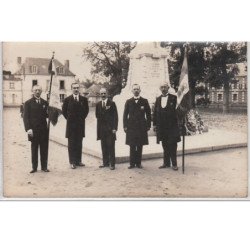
{"type": "Point", "coordinates": [110, 60]}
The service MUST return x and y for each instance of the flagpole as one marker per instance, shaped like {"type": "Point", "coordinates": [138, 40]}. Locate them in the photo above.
{"type": "Point", "coordinates": [183, 145]}
{"type": "Point", "coordinates": [48, 100]}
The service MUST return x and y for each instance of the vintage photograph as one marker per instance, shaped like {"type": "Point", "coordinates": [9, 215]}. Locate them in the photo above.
{"type": "Point", "coordinates": [133, 120]}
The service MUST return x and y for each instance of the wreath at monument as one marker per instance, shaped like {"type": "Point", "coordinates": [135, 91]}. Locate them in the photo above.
{"type": "Point", "coordinates": [194, 124]}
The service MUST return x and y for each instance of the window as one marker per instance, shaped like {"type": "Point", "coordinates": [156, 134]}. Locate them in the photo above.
{"type": "Point", "coordinates": [62, 85]}
{"type": "Point", "coordinates": [60, 70]}
{"type": "Point", "coordinates": [240, 86]}
{"type": "Point", "coordinates": [33, 69]}
{"type": "Point", "coordinates": [235, 97]}
{"type": "Point", "coordinates": [62, 96]}
{"type": "Point", "coordinates": [12, 85]}
{"type": "Point", "coordinates": [220, 97]}
{"type": "Point", "coordinates": [34, 82]}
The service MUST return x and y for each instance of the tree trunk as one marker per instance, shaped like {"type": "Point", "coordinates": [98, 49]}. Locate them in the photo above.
{"type": "Point", "coordinates": [226, 98]}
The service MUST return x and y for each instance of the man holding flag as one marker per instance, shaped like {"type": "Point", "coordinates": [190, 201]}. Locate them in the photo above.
{"type": "Point", "coordinates": [35, 123]}
{"type": "Point", "coordinates": [166, 126]}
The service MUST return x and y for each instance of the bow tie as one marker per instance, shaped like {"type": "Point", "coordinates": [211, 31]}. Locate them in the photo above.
{"type": "Point", "coordinates": [137, 98]}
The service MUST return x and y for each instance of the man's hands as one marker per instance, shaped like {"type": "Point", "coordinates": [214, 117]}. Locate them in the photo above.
{"type": "Point", "coordinates": [30, 132]}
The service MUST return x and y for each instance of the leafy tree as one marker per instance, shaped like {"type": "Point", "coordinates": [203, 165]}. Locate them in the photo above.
{"type": "Point", "coordinates": [208, 62]}
{"type": "Point", "coordinates": [222, 68]}
{"type": "Point", "coordinates": [196, 63]}
{"type": "Point", "coordinates": [110, 60]}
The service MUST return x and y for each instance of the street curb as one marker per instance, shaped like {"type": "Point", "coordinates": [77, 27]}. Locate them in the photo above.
{"type": "Point", "coordinates": [149, 156]}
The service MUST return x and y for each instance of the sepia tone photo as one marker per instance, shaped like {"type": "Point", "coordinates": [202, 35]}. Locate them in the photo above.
{"type": "Point", "coordinates": [146, 120]}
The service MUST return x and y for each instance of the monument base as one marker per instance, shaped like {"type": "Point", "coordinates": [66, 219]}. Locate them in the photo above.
{"type": "Point", "coordinates": [212, 141]}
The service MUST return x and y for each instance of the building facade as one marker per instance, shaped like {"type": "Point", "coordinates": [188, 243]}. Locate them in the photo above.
{"type": "Point", "coordinates": [12, 90]}
{"type": "Point", "coordinates": [34, 71]}
{"type": "Point", "coordinates": [237, 93]}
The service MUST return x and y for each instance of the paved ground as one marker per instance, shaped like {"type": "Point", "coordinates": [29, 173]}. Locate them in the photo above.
{"type": "Point", "coordinates": [217, 174]}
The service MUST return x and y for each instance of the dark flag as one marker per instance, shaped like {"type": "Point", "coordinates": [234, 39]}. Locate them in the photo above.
{"type": "Point", "coordinates": [54, 99]}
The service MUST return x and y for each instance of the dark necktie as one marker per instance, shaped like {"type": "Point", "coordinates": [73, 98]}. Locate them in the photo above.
{"type": "Point", "coordinates": [75, 98]}
{"type": "Point", "coordinates": [38, 101]}
{"type": "Point", "coordinates": [103, 104]}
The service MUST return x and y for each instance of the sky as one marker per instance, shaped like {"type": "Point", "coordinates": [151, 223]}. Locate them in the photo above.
{"type": "Point", "coordinates": [71, 51]}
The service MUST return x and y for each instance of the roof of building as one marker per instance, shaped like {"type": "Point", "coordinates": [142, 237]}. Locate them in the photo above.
{"type": "Point", "coordinates": [42, 67]}
{"type": "Point", "coordinates": [95, 88]}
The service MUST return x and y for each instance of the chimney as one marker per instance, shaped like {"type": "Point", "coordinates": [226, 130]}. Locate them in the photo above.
{"type": "Point", "coordinates": [66, 64]}
{"type": "Point", "coordinates": [19, 60]}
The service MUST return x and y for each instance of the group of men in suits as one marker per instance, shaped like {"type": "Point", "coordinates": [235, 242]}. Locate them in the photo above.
{"type": "Point", "coordinates": [136, 123]}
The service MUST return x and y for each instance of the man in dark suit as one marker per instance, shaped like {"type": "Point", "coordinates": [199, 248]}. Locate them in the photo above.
{"type": "Point", "coordinates": [136, 123]}
{"type": "Point", "coordinates": [107, 122]}
{"type": "Point", "coordinates": [75, 110]}
{"type": "Point", "coordinates": [35, 113]}
{"type": "Point", "coordinates": [166, 126]}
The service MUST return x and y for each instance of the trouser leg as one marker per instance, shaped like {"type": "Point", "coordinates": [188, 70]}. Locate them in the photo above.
{"type": "Point", "coordinates": [71, 150]}
{"type": "Point", "coordinates": [34, 154]}
{"type": "Point", "coordinates": [138, 154]}
{"type": "Point", "coordinates": [44, 151]}
{"type": "Point", "coordinates": [132, 155]}
{"type": "Point", "coordinates": [105, 158]}
{"type": "Point", "coordinates": [111, 149]}
{"type": "Point", "coordinates": [173, 150]}
{"type": "Point", "coordinates": [166, 155]}
{"type": "Point", "coordinates": [78, 150]}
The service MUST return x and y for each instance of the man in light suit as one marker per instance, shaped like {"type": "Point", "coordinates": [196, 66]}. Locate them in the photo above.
{"type": "Point", "coordinates": [107, 122]}
{"type": "Point", "coordinates": [166, 126]}
{"type": "Point", "coordinates": [75, 110]}
{"type": "Point", "coordinates": [35, 113]}
{"type": "Point", "coordinates": [136, 123]}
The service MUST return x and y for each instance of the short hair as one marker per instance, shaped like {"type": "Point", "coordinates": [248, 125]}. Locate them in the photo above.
{"type": "Point", "coordinates": [36, 86]}
{"type": "Point", "coordinates": [136, 84]}
{"type": "Point", "coordinates": [165, 84]}
{"type": "Point", "coordinates": [74, 83]}
{"type": "Point", "coordinates": [103, 88]}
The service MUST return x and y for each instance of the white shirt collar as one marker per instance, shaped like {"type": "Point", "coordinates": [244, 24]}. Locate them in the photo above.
{"type": "Point", "coordinates": [137, 98]}
{"type": "Point", "coordinates": [105, 100]}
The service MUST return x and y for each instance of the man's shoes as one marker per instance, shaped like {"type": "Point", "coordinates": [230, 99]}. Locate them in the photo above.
{"type": "Point", "coordinates": [175, 168]}
{"type": "Point", "coordinates": [139, 166]}
{"type": "Point", "coordinates": [164, 166]}
{"type": "Point", "coordinates": [45, 170]}
{"type": "Point", "coordinates": [112, 167]}
{"type": "Point", "coordinates": [103, 166]}
{"type": "Point", "coordinates": [131, 166]}
{"type": "Point", "coordinates": [80, 164]}
{"type": "Point", "coordinates": [33, 171]}
{"type": "Point", "coordinates": [73, 166]}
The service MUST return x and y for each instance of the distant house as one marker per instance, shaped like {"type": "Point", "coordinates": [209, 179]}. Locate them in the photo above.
{"type": "Point", "coordinates": [12, 90]}
{"type": "Point", "coordinates": [35, 71]}
{"type": "Point", "coordinates": [238, 91]}
{"type": "Point", "coordinates": [93, 94]}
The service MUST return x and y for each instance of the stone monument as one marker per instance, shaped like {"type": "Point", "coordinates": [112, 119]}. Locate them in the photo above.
{"type": "Point", "coordinates": [148, 67]}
